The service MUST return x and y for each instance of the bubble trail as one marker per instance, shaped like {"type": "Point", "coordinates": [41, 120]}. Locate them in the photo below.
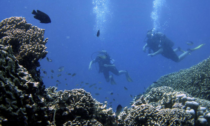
{"type": "Point", "coordinates": [101, 10]}
{"type": "Point", "coordinates": [157, 5]}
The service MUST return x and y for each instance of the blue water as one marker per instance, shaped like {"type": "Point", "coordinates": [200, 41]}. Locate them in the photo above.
{"type": "Point", "coordinates": [123, 25]}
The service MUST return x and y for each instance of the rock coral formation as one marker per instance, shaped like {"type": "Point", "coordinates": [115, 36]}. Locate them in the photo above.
{"type": "Point", "coordinates": [27, 42]}
{"type": "Point", "coordinates": [77, 107]}
{"type": "Point", "coordinates": [19, 93]}
{"type": "Point", "coordinates": [164, 106]}
{"type": "Point", "coordinates": [195, 80]}
{"type": "Point", "coordinates": [25, 101]}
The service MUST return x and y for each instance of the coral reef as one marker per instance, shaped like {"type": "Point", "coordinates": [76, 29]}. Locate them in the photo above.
{"type": "Point", "coordinates": [77, 107]}
{"type": "Point", "coordinates": [27, 42]}
{"type": "Point", "coordinates": [195, 80]}
{"type": "Point", "coordinates": [24, 100]}
{"type": "Point", "coordinates": [19, 93]}
{"type": "Point", "coordinates": [165, 106]}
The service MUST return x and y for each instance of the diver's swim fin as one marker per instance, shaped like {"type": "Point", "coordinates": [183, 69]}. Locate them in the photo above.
{"type": "Point", "coordinates": [198, 47]}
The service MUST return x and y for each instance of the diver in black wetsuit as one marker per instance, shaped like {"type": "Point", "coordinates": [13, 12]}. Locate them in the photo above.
{"type": "Point", "coordinates": [158, 43]}
{"type": "Point", "coordinates": [105, 66]}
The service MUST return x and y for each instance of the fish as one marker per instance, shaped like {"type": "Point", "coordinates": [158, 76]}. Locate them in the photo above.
{"type": "Point", "coordinates": [69, 73]}
{"type": "Point", "coordinates": [118, 110]}
{"type": "Point", "coordinates": [131, 96]}
{"type": "Point", "coordinates": [113, 99]}
{"type": "Point", "coordinates": [92, 85]}
{"type": "Point", "coordinates": [58, 81]}
{"type": "Point", "coordinates": [66, 84]}
{"type": "Point", "coordinates": [49, 60]}
{"type": "Point", "coordinates": [60, 69]}
{"type": "Point", "coordinates": [73, 74]}
{"type": "Point", "coordinates": [111, 93]}
{"type": "Point", "coordinates": [125, 88]}
{"type": "Point", "coordinates": [77, 84]}
{"type": "Point", "coordinates": [99, 88]}
{"type": "Point", "coordinates": [41, 16]}
{"type": "Point", "coordinates": [189, 43]}
{"type": "Point", "coordinates": [86, 83]}
{"type": "Point", "coordinates": [96, 93]}
{"type": "Point", "coordinates": [82, 82]}
{"type": "Point", "coordinates": [45, 72]}
{"type": "Point", "coordinates": [65, 79]}
{"type": "Point", "coordinates": [52, 71]}
{"type": "Point", "coordinates": [98, 33]}
{"type": "Point", "coordinates": [51, 77]}
{"type": "Point", "coordinates": [106, 98]}
{"type": "Point", "coordinates": [58, 75]}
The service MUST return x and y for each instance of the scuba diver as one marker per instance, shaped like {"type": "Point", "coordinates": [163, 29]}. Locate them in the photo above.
{"type": "Point", "coordinates": [158, 43]}
{"type": "Point", "coordinates": [106, 65]}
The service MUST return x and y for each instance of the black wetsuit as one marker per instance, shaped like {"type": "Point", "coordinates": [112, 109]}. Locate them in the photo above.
{"type": "Point", "coordinates": [105, 59]}
{"type": "Point", "coordinates": [161, 41]}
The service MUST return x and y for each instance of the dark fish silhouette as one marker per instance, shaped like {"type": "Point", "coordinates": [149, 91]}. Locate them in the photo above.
{"type": "Point", "coordinates": [49, 59]}
{"type": "Point", "coordinates": [189, 43]}
{"type": "Point", "coordinates": [73, 74]}
{"type": "Point", "coordinates": [41, 16]}
{"type": "Point", "coordinates": [45, 72]}
{"type": "Point", "coordinates": [98, 33]}
{"type": "Point", "coordinates": [96, 93]}
{"type": "Point", "coordinates": [119, 109]}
